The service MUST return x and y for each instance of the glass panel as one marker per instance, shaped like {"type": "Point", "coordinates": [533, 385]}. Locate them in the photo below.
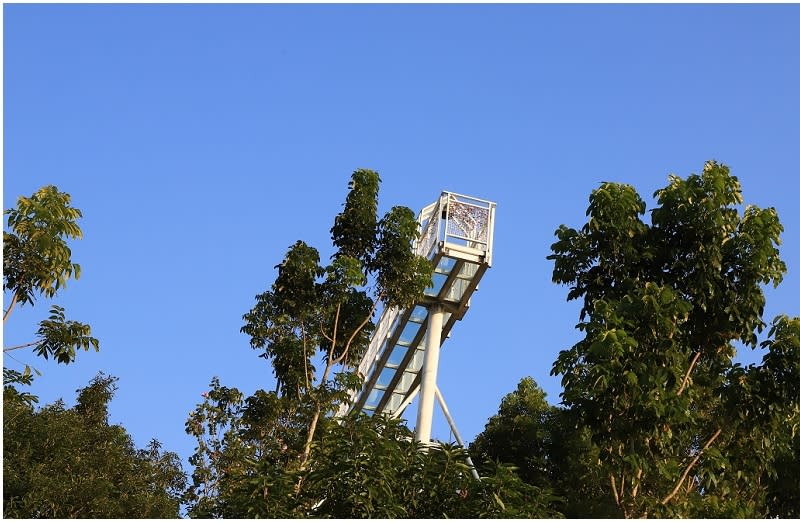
{"type": "Point", "coordinates": [394, 401]}
{"type": "Point", "coordinates": [385, 378]}
{"type": "Point", "coordinates": [419, 314]}
{"type": "Point", "coordinates": [406, 381]}
{"type": "Point", "coordinates": [416, 361]}
{"type": "Point", "coordinates": [396, 356]}
{"type": "Point", "coordinates": [374, 399]}
{"type": "Point", "coordinates": [468, 270]}
{"type": "Point", "coordinates": [409, 332]}
{"type": "Point", "coordinates": [438, 283]}
{"type": "Point", "coordinates": [445, 265]}
{"type": "Point", "coordinates": [457, 289]}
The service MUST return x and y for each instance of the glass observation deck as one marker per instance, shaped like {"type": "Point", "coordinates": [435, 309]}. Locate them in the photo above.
{"type": "Point", "coordinates": [457, 233]}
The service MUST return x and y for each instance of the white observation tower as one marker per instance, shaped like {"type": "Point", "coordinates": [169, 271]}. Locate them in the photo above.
{"type": "Point", "coordinates": [403, 355]}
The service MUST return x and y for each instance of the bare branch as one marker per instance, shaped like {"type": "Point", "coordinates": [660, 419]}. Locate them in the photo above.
{"type": "Point", "coordinates": [322, 331]}
{"type": "Point", "coordinates": [614, 488]}
{"type": "Point", "coordinates": [357, 330]}
{"type": "Point", "coordinates": [10, 307]}
{"type": "Point", "coordinates": [335, 331]}
{"type": "Point", "coordinates": [12, 357]}
{"type": "Point", "coordinates": [690, 466]}
{"type": "Point", "coordinates": [309, 438]}
{"type": "Point", "coordinates": [330, 364]}
{"type": "Point", "coordinates": [21, 346]}
{"type": "Point", "coordinates": [638, 483]}
{"type": "Point", "coordinates": [688, 372]}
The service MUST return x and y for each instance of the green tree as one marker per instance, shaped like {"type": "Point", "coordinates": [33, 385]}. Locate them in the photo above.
{"type": "Point", "coordinates": [520, 434]}
{"type": "Point", "coordinates": [548, 449]}
{"type": "Point", "coordinates": [71, 463]}
{"type": "Point", "coordinates": [783, 487]}
{"type": "Point", "coordinates": [313, 310]}
{"type": "Point", "coordinates": [38, 262]}
{"type": "Point", "coordinates": [680, 428]}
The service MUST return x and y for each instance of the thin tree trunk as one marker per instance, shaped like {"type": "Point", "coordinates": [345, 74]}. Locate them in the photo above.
{"type": "Point", "coordinates": [312, 427]}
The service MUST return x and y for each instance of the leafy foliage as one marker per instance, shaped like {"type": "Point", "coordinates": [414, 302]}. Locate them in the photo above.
{"type": "Point", "coordinates": [653, 379]}
{"type": "Point", "coordinates": [70, 463]}
{"type": "Point", "coordinates": [542, 444]}
{"type": "Point", "coordinates": [13, 377]}
{"type": "Point", "coordinates": [326, 311]}
{"type": "Point", "coordinates": [249, 464]}
{"type": "Point", "coordinates": [520, 433]}
{"type": "Point", "coordinates": [59, 338]}
{"type": "Point", "coordinates": [37, 260]}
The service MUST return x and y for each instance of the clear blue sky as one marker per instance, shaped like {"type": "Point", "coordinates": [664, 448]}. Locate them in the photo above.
{"type": "Point", "coordinates": [201, 141]}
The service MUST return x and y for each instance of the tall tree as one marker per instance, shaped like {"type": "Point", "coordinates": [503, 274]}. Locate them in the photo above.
{"type": "Point", "coordinates": [681, 429]}
{"type": "Point", "coordinates": [38, 262]}
{"type": "Point", "coordinates": [313, 310]}
{"type": "Point", "coordinates": [71, 463]}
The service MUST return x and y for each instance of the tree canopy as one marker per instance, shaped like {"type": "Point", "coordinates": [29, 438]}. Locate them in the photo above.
{"type": "Point", "coordinates": [63, 462]}
{"type": "Point", "coordinates": [680, 427]}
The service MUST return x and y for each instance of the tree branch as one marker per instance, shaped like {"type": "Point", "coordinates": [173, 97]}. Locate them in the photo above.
{"type": "Point", "coordinates": [688, 372]}
{"type": "Point", "coordinates": [335, 336]}
{"type": "Point", "coordinates": [10, 307]}
{"type": "Point", "coordinates": [690, 466]}
{"type": "Point", "coordinates": [638, 483]}
{"type": "Point", "coordinates": [12, 357]}
{"type": "Point", "coordinates": [310, 438]}
{"type": "Point", "coordinates": [614, 488]}
{"type": "Point", "coordinates": [322, 331]}
{"type": "Point", "coordinates": [330, 364]}
{"type": "Point", "coordinates": [21, 346]}
{"type": "Point", "coordinates": [305, 352]}
{"type": "Point", "coordinates": [357, 330]}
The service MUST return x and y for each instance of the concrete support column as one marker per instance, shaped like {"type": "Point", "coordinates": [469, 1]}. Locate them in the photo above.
{"type": "Point", "coordinates": [430, 367]}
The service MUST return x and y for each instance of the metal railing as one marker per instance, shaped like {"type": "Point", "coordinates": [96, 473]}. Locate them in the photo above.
{"type": "Point", "coordinates": [456, 219]}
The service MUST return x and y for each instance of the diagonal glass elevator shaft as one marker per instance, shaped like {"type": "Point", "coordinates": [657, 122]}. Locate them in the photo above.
{"type": "Point", "coordinates": [402, 358]}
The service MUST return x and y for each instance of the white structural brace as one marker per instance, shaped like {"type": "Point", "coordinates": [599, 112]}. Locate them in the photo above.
{"type": "Point", "coordinates": [457, 435]}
